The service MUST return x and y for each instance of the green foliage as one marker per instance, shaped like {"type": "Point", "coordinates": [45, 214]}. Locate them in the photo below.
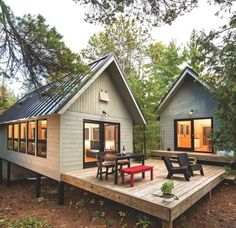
{"type": "Point", "coordinates": [99, 215]}
{"type": "Point", "coordinates": [153, 12]}
{"type": "Point", "coordinates": [7, 97]}
{"type": "Point", "coordinates": [167, 187]}
{"type": "Point", "coordinates": [30, 222]}
{"type": "Point", "coordinates": [219, 48]}
{"type": "Point", "coordinates": [34, 50]}
{"type": "Point", "coordinates": [125, 39]}
{"type": "Point", "coordinates": [143, 221]}
{"type": "Point", "coordinates": [24, 222]}
{"type": "Point", "coordinates": [109, 222]}
{"type": "Point", "coordinates": [79, 206]}
{"type": "Point", "coordinates": [4, 222]}
{"type": "Point", "coordinates": [40, 199]}
{"type": "Point", "coordinates": [122, 215]}
{"type": "Point", "coordinates": [193, 53]}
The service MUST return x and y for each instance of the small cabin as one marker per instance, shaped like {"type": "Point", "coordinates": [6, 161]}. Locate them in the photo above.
{"type": "Point", "coordinates": [186, 115]}
{"type": "Point", "coordinates": [61, 126]}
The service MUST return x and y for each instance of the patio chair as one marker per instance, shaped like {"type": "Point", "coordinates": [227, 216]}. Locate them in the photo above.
{"type": "Point", "coordinates": [104, 164]}
{"type": "Point", "coordinates": [176, 170]}
{"type": "Point", "coordinates": [120, 163]}
{"type": "Point", "coordinates": [184, 161]}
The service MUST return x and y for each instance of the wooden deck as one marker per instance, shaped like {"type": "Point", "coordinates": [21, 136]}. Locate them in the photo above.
{"type": "Point", "coordinates": [145, 195]}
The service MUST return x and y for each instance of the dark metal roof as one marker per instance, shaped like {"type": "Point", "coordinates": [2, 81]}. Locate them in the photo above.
{"type": "Point", "coordinates": [51, 98]}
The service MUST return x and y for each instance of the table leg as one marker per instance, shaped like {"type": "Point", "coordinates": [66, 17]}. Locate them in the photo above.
{"type": "Point", "coordinates": [131, 180]}
{"type": "Point", "coordinates": [116, 173]}
{"type": "Point", "coordinates": [143, 174]}
{"type": "Point", "coordinates": [151, 174]}
{"type": "Point", "coordinates": [123, 177]}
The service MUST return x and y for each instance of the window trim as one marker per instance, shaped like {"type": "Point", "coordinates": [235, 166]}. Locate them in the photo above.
{"type": "Point", "coordinates": [11, 124]}
{"type": "Point", "coordinates": [41, 141]}
{"type": "Point", "coordinates": [17, 139]}
{"type": "Point", "coordinates": [31, 140]}
{"type": "Point", "coordinates": [23, 140]}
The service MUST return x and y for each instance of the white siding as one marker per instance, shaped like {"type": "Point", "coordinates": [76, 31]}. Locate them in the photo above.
{"type": "Point", "coordinates": [46, 166]}
{"type": "Point", "coordinates": [88, 107]}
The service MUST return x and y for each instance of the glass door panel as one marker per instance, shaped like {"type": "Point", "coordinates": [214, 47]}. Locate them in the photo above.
{"type": "Point", "coordinates": [111, 138]}
{"type": "Point", "coordinates": [202, 135]}
{"type": "Point", "coordinates": [91, 141]}
{"type": "Point", "coordinates": [184, 139]}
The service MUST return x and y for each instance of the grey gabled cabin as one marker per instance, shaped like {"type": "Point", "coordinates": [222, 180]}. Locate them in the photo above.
{"type": "Point", "coordinates": [186, 115]}
{"type": "Point", "coordinates": [59, 127]}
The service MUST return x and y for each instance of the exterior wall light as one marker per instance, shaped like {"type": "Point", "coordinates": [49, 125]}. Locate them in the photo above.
{"type": "Point", "coordinates": [104, 113]}
{"type": "Point", "coordinates": [191, 112]}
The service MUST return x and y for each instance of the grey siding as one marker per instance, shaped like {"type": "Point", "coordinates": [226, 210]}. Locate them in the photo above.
{"type": "Point", "coordinates": [190, 96]}
{"type": "Point", "coordinates": [46, 166]}
{"type": "Point", "coordinates": [88, 107]}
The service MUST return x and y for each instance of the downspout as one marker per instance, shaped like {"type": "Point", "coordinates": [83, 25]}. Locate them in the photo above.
{"type": "Point", "coordinates": [144, 141]}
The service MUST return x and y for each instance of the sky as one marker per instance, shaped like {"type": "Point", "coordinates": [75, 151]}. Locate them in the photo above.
{"type": "Point", "coordinates": [68, 18]}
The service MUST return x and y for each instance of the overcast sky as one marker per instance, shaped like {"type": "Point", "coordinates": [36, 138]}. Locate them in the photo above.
{"type": "Point", "coordinates": [68, 18]}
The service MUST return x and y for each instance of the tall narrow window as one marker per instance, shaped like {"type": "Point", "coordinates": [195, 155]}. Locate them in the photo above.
{"type": "Point", "coordinates": [31, 137]}
{"type": "Point", "coordinates": [22, 138]}
{"type": "Point", "coordinates": [42, 138]}
{"type": "Point", "coordinates": [10, 137]}
{"type": "Point", "coordinates": [16, 137]}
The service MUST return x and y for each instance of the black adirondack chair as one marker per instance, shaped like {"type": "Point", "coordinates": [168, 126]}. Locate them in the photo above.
{"type": "Point", "coordinates": [184, 161]}
{"type": "Point", "coordinates": [176, 170]}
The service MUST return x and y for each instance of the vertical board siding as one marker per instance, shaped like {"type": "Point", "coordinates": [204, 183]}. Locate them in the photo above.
{"type": "Point", "coordinates": [88, 107]}
{"type": "Point", "coordinates": [190, 96]}
{"type": "Point", "coordinates": [46, 166]}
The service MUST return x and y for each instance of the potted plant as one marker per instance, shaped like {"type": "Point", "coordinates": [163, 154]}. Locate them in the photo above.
{"type": "Point", "coordinates": [167, 188]}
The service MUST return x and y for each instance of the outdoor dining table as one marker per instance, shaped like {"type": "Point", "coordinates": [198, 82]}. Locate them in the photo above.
{"type": "Point", "coordinates": [128, 156]}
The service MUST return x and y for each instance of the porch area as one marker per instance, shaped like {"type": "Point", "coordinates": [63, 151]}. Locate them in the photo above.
{"type": "Point", "coordinates": [146, 194]}
{"type": "Point", "coordinates": [201, 157]}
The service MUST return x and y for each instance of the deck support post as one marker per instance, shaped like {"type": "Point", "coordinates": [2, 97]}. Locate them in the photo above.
{"type": "Point", "coordinates": [61, 193]}
{"type": "Point", "coordinates": [8, 174]}
{"type": "Point", "coordinates": [38, 186]}
{"type": "Point", "coordinates": [167, 224]}
{"type": "Point", "coordinates": [210, 195]}
{"type": "Point", "coordinates": [1, 178]}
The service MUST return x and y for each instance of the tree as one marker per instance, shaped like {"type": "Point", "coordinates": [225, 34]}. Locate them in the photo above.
{"type": "Point", "coordinates": [29, 47]}
{"type": "Point", "coordinates": [164, 68]}
{"type": "Point", "coordinates": [125, 39]}
{"type": "Point", "coordinates": [193, 54]}
{"type": "Point", "coordinates": [152, 12]}
{"type": "Point", "coordinates": [7, 97]}
{"type": "Point", "coordinates": [219, 48]}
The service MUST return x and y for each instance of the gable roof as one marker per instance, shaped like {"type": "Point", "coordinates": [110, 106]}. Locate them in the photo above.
{"type": "Point", "coordinates": [187, 72]}
{"type": "Point", "coordinates": [58, 97]}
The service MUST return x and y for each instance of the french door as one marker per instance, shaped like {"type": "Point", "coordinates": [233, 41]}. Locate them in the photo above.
{"type": "Point", "coordinates": [193, 135]}
{"type": "Point", "coordinates": [99, 136]}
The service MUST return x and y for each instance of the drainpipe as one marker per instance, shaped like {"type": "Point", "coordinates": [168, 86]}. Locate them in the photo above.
{"type": "Point", "coordinates": [144, 141]}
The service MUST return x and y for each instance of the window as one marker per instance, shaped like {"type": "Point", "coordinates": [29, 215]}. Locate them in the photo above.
{"type": "Point", "coordinates": [31, 137]}
{"type": "Point", "coordinates": [16, 137]}
{"type": "Point", "coordinates": [10, 137]}
{"type": "Point", "coordinates": [22, 138]}
{"type": "Point", "coordinates": [42, 138]}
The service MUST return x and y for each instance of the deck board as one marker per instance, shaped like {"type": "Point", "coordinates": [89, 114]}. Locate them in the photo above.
{"type": "Point", "coordinates": [144, 195]}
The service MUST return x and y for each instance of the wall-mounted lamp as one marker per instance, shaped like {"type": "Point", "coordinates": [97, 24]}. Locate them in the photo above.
{"type": "Point", "coordinates": [191, 112]}
{"type": "Point", "coordinates": [104, 113]}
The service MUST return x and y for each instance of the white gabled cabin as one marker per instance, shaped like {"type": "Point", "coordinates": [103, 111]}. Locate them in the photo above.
{"type": "Point", "coordinates": [60, 126]}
